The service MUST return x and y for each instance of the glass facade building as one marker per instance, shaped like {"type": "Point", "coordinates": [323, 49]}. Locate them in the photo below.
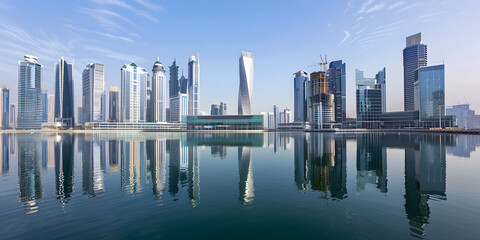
{"type": "Point", "coordinates": [431, 92]}
{"type": "Point", "coordinates": [5, 107]}
{"type": "Point", "coordinates": [29, 93]}
{"type": "Point", "coordinates": [64, 106]}
{"type": "Point", "coordinates": [301, 92]}
{"type": "Point", "coordinates": [225, 122]}
{"type": "Point", "coordinates": [193, 86]}
{"type": "Point", "coordinates": [114, 104]}
{"type": "Point", "coordinates": [336, 85]}
{"type": "Point", "coordinates": [370, 99]}
{"type": "Point", "coordinates": [44, 106]}
{"type": "Point", "coordinates": [246, 83]}
{"type": "Point", "coordinates": [93, 99]}
{"type": "Point", "coordinates": [414, 57]}
{"type": "Point", "coordinates": [134, 93]}
{"type": "Point", "coordinates": [159, 92]}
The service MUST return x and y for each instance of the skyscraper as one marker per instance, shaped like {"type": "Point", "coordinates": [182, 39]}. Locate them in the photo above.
{"type": "Point", "coordinates": [431, 93]}
{"type": "Point", "coordinates": [179, 107]}
{"type": "Point", "coordinates": [44, 106]}
{"type": "Point", "coordinates": [381, 78]}
{"type": "Point", "coordinates": [276, 116]}
{"type": "Point", "coordinates": [51, 108]}
{"type": "Point", "coordinates": [246, 83]}
{"type": "Point", "coordinates": [29, 93]}
{"type": "Point", "coordinates": [64, 107]}
{"type": "Point", "coordinates": [114, 104]}
{"type": "Point", "coordinates": [369, 99]}
{"type": "Point", "coordinates": [159, 92]}
{"type": "Point", "coordinates": [193, 86]}
{"type": "Point", "coordinates": [5, 107]}
{"type": "Point", "coordinates": [93, 99]}
{"type": "Point", "coordinates": [337, 86]}
{"type": "Point", "coordinates": [414, 57]}
{"type": "Point", "coordinates": [13, 115]}
{"type": "Point", "coordinates": [301, 86]}
{"type": "Point", "coordinates": [174, 84]}
{"type": "Point", "coordinates": [134, 93]}
{"type": "Point", "coordinates": [321, 104]}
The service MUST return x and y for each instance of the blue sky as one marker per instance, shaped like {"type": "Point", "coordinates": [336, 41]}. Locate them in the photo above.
{"type": "Point", "coordinates": [285, 36]}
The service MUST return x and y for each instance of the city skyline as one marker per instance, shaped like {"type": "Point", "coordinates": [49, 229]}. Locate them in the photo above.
{"type": "Point", "coordinates": [83, 42]}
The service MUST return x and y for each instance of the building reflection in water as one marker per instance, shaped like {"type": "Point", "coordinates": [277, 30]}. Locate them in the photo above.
{"type": "Point", "coordinates": [219, 151]}
{"type": "Point", "coordinates": [133, 166]}
{"type": "Point", "coordinates": [4, 145]}
{"type": "Point", "coordinates": [425, 178]}
{"type": "Point", "coordinates": [464, 146]}
{"type": "Point", "coordinates": [371, 162]}
{"type": "Point", "coordinates": [245, 185]}
{"type": "Point", "coordinates": [174, 151]}
{"type": "Point", "coordinates": [30, 184]}
{"type": "Point", "coordinates": [64, 164]}
{"type": "Point", "coordinates": [93, 167]}
{"type": "Point", "coordinates": [193, 175]}
{"type": "Point", "coordinates": [324, 167]}
{"type": "Point", "coordinates": [156, 155]}
{"type": "Point", "coordinates": [113, 155]}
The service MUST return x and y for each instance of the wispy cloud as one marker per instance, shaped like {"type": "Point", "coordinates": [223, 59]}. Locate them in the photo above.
{"type": "Point", "coordinates": [149, 5]}
{"type": "Point", "coordinates": [429, 16]}
{"type": "Point", "coordinates": [408, 7]}
{"type": "Point", "coordinates": [395, 5]}
{"type": "Point", "coordinates": [129, 7]}
{"type": "Point", "coordinates": [112, 36]}
{"type": "Point", "coordinates": [111, 54]}
{"type": "Point", "coordinates": [365, 6]}
{"type": "Point", "coordinates": [347, 36]}
{"type": "Point", "coordinates": [375, 8]}
{"type": "Point", "coordinates": [106, 19]}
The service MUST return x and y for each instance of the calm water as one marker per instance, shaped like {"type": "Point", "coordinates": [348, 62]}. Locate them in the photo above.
{"type": "Point", "coordinates": [239, 186]}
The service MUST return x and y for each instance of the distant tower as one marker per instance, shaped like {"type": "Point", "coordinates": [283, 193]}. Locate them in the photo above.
{"type": "Point", "coordinates": [301, 92]}
{"type": "Point", "coordinates": [5, 107]}
{"type": "Point", "coordinates": [414, 57]}
{"type": "Point", "coordinates": [29, 93]}
{"type": "Point", "coordinates": [246, 83]}
{"type": "Point", "coordinates": [159, 88]}
{"type": "Point", "coordinates": [64, 107]}
{"type": "Point", "coordinates": [93, 100]}
{"type": "Point", "coordinates": [193, 86]}
{"type": "Point", "coordinates": [114, 105]}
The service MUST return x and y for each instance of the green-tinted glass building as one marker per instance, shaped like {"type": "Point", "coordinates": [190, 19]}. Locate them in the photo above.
{"type": "Point", "coordinates": [224, 122]}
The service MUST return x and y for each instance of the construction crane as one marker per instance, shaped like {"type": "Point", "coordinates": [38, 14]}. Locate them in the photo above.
{"type": "Point", "coordinates": [321, 63]}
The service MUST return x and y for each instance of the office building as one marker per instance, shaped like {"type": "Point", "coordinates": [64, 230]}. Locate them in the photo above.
{"type": "Point", "coordinates": [51, 108]}
{"type": "Point", "coordinates": [336, 85]}
{"type": "Point", "coordinates": [246, 83]}
{"type": "Point", "coordinates": [179, 107]}
{"type": "Point", "coordinates": [159, 92]}
{"type": "Point", "coordinates": [430, 91]}
{"type": "Point", "coordinates": [321, 102]}
{"type": "Point", "coordinates": [13, 116]}
{"type": "Point", "coordinates": [64, 106]}
{"type": "Point", "coordinates": [219, 109]}
{"type": "Point", "coordinates": [287, 114]}
{"type": "Point", "coordinates": [193, 86]}
{"type": "Point", "coordinates": [276, 117]}
{"type": "Point", "coordinates": [462, 113]}
{"type": "Point", "coordinates": [114, 102]}
{"type": "Point", "coordinates": [414, 57]}
{"type": "Point", "coordinates": [29, 93]}
{"type": "Point", "coordinates": [369, 99]}
{"type": "Point", "coordinates": [93, 99]}
{"type": "Point", "coordinates": [301, 93]}
{"type": "Point", "coordinates": [381, 78]}
{"type": "Point", "coordinates": [134, 93]}
{"type": "Point", "coordinates": [271, 120]}
{"type": "Point", "coordinates": [80, 119]}
{"type": "Point", "coordinates": [174, 85]}
{"type": "Point", "coordinates": [225, 122]}
{"type": "Point", "coordinates": [5, 107]}
{"type": "Point", "coordinates": [45, 106]}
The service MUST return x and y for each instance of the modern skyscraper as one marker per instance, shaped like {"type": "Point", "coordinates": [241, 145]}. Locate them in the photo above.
{"type": "Point", "coordinates": [414, 57]}
{"type": "Point", "coordinates": [64, 106]}
{"type": "Point", "coordinates": [321, 104]}
{"type": "Point", "coordinates": [193, 86]}
{"type": "Point", "coordinates": [287, 114]}
{"type": "Point", "coordinates": [276, 116]}
{"type": "Point", "coordinates": [301, 93]}
{"type": "Point", "coordinates": [5, 107]}
{"type": "Point", "coordinates": [179, 107]}
{"type": "Point", "coordinates": [29, 93]}
{"type": "Point", "coordinates": [93, 99]}
{"type": "Point", "coordinates": [246, 83]}
{"type": "Point", "coordinates": [159, 92]}
{"type": "Point", "coordinates": [44, 106]}
{"type": "Point", "coordinates": [51, 108]}
{"type": "Point", "coordinates": [431, 93]}
{"type": "Point", "coordinates": [381, 78]}
{"type": "Point", "coordinates": [337, 86]}
{"type": "Point", "coordinates": [13, 116]}
{"type": "Point", "coordinates": [369, 99]}
{"type": "Point", "coordinates": [174, 84]}
{"type": "Point", "coordinates": [134, 93]}
{"type": "Point", "coordinates": [114, 104]}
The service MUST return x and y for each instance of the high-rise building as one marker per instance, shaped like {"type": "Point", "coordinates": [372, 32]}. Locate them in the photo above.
{"type": "Point", "coordinates": [287, 114]}
{"type": "Point", "coordinates": [414, 57]}
{"type": "Point", "coordinates": [80, 118]}
{"type": "Point", "coordinates": [13, 116]}
{"type": "Point", "coordinates": [159, 92]}
{"type": "Point", "coordinates": [5, 107]}
{"type": "Point", "coordinates": [193, 86]}
{"type": "Point", "coordinates": [173, 83]}
{"type": "Point", "coordinates": [179, 107]}
{"type": "Point", "coordinates": [301, 93]}
{"type": "Point", "coordinates": [93, 99]}
{"type": "Point", "coordinates": [381, 78]}
{"type": "Point", "coordinates": [431, 93]}
{"type": "Point", "coordinates": [51, 108]}
{"type": "Point", "coordinates": [271, 120]}
{"type": "Point", "coordinates": [321, 103]}
{"type": "Point", "coordinates": [336, 85]}
{"type": "Point", "coordinates": [370, 92]}
{"type": "Point", "coordinates": [276, 116]}
{"type": "Point", "coordinates": [44, 106]}
{"type": "Point", "coordinates": [64, 106]}
{"type": "Point", "coordinates": [246, 83]}
{"type": "Point", "coordinates": [114, 115]}
{"type": "Point", "coordinates": [462, 113]}
{"type": "Point", "coordinates": [29, 93]}
{"type": "Point", "coordinates": [134, 93]}
{"type": "Point", "coordinates": [219, 109]}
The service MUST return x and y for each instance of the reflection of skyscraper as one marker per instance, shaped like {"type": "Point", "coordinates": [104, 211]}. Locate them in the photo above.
{"type": "Point", "coordinates": [219, 151]}
{"type": "Point", "coordinates": [5, 163]}
{"type": "Point", "coordinates": [30, 185]}
{"type": "Point", "coordinates": [133, 167]}
{"type": "Point", "coordinates": [425, 178]}
{"type": "Point", "coordinates": [193, 175]}
{"type": "Point", "coordinates": [156, 154]}
{"type": "Point", "coordinates": [245, 185]}
{"type": "Point", "coordinates": [113, 156]}
{"type": "Point", "coordinates": [301, 161]}
{"type": "Point", "coordinates": [173, 165]}
{"type": "Point", "coordinates": [64, 153]}
{"type": "Point", "coordinates": [93, 168]}
{"type": "Point", "coordinates": [371, 162]}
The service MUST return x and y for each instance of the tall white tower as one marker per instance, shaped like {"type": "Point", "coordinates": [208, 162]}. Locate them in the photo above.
{"type": "Point", "coordinates": [193, 86]}
{"type": "Point", "coordinates": [246, 84]}
{"type": "Point", "coordinates": [159, 91]}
